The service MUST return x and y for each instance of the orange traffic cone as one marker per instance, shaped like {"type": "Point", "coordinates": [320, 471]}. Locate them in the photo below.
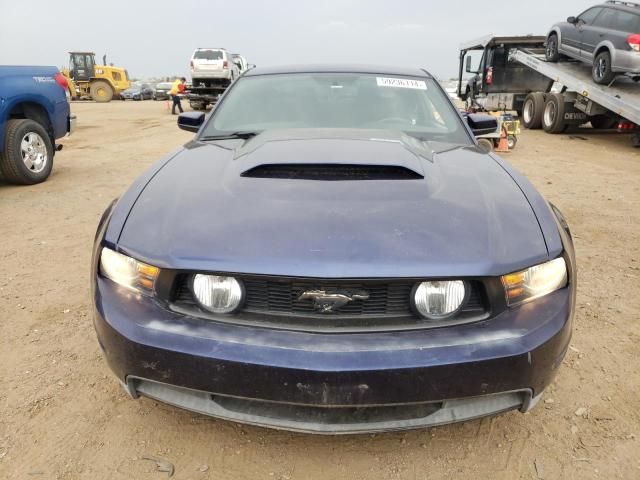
{"type": "Point", "coordinates": [503, 145]}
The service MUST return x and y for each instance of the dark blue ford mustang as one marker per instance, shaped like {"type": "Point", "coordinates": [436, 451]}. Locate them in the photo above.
{"type": "Point", "coordinates": [333, 253]}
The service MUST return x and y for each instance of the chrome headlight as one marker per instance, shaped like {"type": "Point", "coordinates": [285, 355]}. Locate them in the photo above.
{"type": "Point", "coordinates": [436, 300]}
{"type": "Point", "coordinates": [216, 293]}
{"type": "Point", "coordinates": [128, 272]}
{"type": "Point", "coordinates": [535, 282]}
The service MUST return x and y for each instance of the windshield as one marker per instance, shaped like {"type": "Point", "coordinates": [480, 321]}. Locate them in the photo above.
{"type": "Point", "coordinates": [208, 55]}
{"type": "Point", "coordinates": [414, 105]}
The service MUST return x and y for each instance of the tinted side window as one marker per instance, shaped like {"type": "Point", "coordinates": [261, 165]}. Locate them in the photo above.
{"type": "Point", "coordinates": [590, 15]}
{"type": "Point", "coordinates": [625, 21]}
{"type": "Point", "coordinates": [606, 19]}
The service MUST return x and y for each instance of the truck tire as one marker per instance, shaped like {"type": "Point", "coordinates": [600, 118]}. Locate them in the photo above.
{"type": "Point", "coordinates": [101, 91]}
{"type": "Point", "coordinates": [551, 50]}
{"type": "Point", "coordinates": [601, 70]}
{"type": "Point", "coordinates": [603, 122]}
{"type": "Point", "coordinates": [532, 110]}
{"type": "Point", "coordinates": [27, 157]}
{"type": "Point", "coordinates": [553, 116]}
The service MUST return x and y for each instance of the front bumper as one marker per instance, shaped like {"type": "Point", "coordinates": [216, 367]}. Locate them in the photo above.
{"type": "Point", "coordinates": [333, 383]}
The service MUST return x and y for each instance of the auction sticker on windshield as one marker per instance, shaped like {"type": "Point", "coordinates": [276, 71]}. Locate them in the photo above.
{"type": "Point", "coordinates": [401, 83]}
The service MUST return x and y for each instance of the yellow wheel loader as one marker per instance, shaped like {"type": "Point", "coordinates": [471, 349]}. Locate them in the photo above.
{"type": "Point", "coordinates": [99, 82]}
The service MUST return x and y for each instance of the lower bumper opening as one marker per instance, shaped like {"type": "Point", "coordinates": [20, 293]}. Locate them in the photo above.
{"type": "Point", "coordinates": [331, 419]}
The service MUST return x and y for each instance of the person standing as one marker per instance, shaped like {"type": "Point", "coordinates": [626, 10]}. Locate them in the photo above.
{"type": "Point", "coordinates": [176, 89]}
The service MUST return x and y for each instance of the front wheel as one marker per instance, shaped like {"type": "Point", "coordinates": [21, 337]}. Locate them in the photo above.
{"type": "Point", "coordinates": [485, 144]}
{"type": "Point", "coordinates": [551, 51]}
{"type": "Point", "coordinates": [601, 71]}
{"type": "Point", "coordinates": [101, 91]}
{"type": "Point", "coordinates": [27, 157]}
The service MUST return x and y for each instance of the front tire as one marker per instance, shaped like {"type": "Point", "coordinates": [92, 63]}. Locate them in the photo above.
{"type": "Point", "coordinates": [532, 110]}
{"type": "Point", "coordinates": [601, 71]}
{"type": "Point", "coordinates": [27, 157]}
{"type": "Point", "coordinates": [485, 144]}
{"type": "Point", "coordinates": [101, 91]}
{"type": "Point", "coordinates": [553, 116]}
{"type": "Point", "coordinates": [551, 51]}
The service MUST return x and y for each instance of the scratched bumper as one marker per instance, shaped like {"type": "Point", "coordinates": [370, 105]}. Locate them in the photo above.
{"type": "Point", "coordinates": [148, 346]}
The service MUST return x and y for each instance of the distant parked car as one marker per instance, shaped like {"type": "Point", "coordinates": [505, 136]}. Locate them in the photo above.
{"type": "Point", "coordinates": [606, 36]}
{"type": "Point", "coordinates": [141, 91]}
{"type": "Point", "coordinates": [162, 91]}
{"type": "Point", "coordinates": [213, 64]}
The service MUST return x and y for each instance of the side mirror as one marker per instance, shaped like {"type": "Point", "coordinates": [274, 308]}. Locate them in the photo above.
{"type": "Point", "coordinates": [467, 65]}
{"type": "Point", "coordinates": [572, 20]}
{"type": "Point", "coordinates": [482, 124]}
{"type": "Point", "coordinates": [190, 121]}
{"type": "Point", "coordinates": [251, 65]}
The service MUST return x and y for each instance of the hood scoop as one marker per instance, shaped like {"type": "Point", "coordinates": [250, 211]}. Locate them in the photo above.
{"type": "Point", "coordinates": [331, 171]}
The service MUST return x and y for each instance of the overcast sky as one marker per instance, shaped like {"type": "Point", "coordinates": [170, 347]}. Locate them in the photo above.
{"type": "Point", "coordinates": [157, 38]}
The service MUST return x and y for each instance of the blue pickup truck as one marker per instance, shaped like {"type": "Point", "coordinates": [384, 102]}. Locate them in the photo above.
{"type": "Point", "coordinates": [34, 113]}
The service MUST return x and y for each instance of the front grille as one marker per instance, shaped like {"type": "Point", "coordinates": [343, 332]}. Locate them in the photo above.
{"type": "Point", "coordinates": [282, 297]}
{"type": "Point", "coordinates": [276, 300]}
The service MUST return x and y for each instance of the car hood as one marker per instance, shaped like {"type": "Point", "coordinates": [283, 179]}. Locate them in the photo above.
{"type": "Point", "coordinates": [459, 213]}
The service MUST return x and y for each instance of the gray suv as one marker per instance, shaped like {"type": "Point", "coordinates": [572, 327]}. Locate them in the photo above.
{"type": "Point", "coordinates": [606, 36]}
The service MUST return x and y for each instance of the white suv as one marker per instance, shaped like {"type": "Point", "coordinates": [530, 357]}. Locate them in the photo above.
{"type": "Point", "coordinates": [213, 63]}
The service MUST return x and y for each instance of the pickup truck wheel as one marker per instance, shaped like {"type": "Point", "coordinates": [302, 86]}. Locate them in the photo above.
{"type": "Point", "coordinates": [551, 50]}
{"type": "Point", "coordinates": [553, 116]}
{"type": "Point", "coordinates": [101, 91]}
{"type": "Point", "coordinates": [532, 110]}
{"type": "Point", "coordinates": [27, 157]}
{"type": "Point", "coordinates": [601, 70]}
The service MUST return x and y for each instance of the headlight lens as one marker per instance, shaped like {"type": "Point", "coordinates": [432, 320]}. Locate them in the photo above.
{"type": "Point", "coordinates": [535, 282]}
{"type": "Point", "coordinates": [217, 294]}
{"type": "Point", "coordinates": [439, 299]}
{"type": "Point", "coordinates": [128, 272]}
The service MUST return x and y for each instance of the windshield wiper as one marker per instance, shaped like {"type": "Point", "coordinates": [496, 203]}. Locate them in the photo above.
{"type": "Point", "coordinates": [227, 136]}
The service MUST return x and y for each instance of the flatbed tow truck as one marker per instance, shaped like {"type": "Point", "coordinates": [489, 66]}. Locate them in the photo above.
{"type": "Point", "coordinates": [201, 94]}
{"type": "Point", "coordinates": [570, 98]}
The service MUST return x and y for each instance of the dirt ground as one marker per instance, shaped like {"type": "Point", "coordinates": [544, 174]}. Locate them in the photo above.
{"type": "Point", "coordinates": [64, 416]}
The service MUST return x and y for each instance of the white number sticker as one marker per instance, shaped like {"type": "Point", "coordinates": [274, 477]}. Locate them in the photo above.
{"type": "Point", "coordinates": [401, 83]}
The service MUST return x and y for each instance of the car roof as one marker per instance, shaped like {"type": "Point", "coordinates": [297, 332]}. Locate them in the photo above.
{"type": "Point", "coordinates": [328, 68]}
{"type": "Point", "coordinates": [630, 7]}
